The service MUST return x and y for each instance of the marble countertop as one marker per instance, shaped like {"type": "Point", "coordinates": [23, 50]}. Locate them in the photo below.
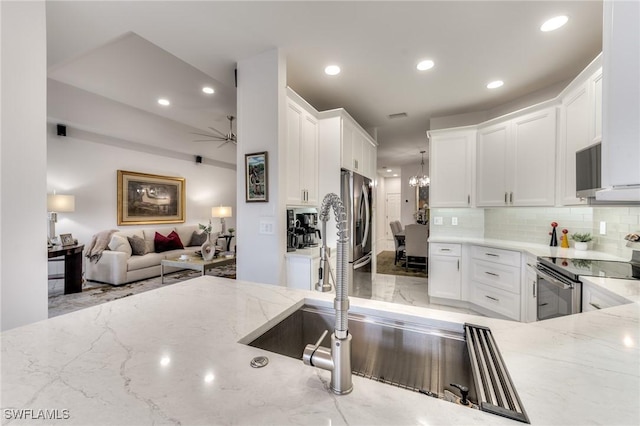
{"type": "Point", "coordinates": [171, 356]}
{"type": "Point", "coordinates": [532, 248]}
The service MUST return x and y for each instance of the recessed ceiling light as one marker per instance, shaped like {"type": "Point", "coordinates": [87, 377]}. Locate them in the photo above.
{"type": "Point", "coordinates": [427, 64]}
{"type": "Point", "coordinates": [208, 90]}
{"type": "Point", "coordinates": [495, 84]}
{"type": "Point", "coordinates": [332, 70]}
{"type": "Point", "coordinates": [389, 170]}
{"type": "Point", "coordinates": [395, 175]}
{"type": "Point", "coordinates": [554, 23]}
{"type": "Point", "coordinates": [164, 102]}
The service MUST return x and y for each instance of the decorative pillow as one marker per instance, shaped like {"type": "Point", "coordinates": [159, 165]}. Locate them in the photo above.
{"type": "Point", "coordinates": [198, 239]}
{"type": "Point", "coordinates": [121, 244]}
{"type": "Point", "coordinates": [138, 245]}
{"type": "Point", "coordinates": [170, 242]}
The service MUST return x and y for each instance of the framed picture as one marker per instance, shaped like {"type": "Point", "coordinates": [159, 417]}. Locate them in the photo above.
{"type": "Point", "coordinates": [146, 199]}
{"type": "Point", "coordinates": [66, 240]}
{"type": "Point", "coordinates": [256, 177]}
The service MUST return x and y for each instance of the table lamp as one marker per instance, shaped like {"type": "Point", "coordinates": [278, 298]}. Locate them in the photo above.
{"type": "Point", "coordinates": [221, 212]}
{"type": "Point", "coordinates": [57, 203]}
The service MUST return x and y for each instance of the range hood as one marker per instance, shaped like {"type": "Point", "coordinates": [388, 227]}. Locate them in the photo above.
{"type": "Point", "coordinates": [620, 193]}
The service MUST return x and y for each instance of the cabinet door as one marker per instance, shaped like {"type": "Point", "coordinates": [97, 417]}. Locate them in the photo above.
{"type": "Point", "coordinates": [531, 178]}
{"type": "Point", "coordinates": [574, 129]}
{"type": "Point", "coordinates": [309, 160]}
{"type": "Point", "coordinates": [444, 277]}
{"type": "Point", "coordinates": [357, 147]}
{"type": "Point", "coordinates": [293, 152]}
{"type": "Point", "coordinates": [368, 160]}
{"type": "Point", "coordinates": [346, 145]}
{"type": "Point", "coordinates": [450, 169]}
{"type": "Point", "coordinates": [595, 107]}
{"type": "Point", "coordinates": [492, 161]}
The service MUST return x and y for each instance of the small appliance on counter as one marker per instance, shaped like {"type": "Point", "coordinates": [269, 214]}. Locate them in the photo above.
{"type": "Point", "coordinates": [302, 228]}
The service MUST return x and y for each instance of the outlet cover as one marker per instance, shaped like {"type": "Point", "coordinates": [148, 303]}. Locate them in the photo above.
{"type": "Point", "coordinates": [437, 220]}
{"type": "Point", "coordinates": [454, 221]}
{"type": "Point", "coordinates": [603, 227]}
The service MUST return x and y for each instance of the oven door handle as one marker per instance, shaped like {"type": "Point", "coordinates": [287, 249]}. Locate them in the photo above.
{"type": "Point", "coordinates": [553, 280]}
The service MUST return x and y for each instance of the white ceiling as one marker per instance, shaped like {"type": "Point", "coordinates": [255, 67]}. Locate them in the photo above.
{"type": "Point", "coordinates": [135, 52]}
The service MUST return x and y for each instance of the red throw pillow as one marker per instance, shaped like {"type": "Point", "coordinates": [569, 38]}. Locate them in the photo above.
{"type": "Point", "coordinates": [170, 242]}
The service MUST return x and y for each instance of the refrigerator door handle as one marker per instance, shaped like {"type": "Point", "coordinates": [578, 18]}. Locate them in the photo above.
{"type": "Point", "coordinates": [363, 261]}
{"type": "Point", "coordinates": [365, 195]}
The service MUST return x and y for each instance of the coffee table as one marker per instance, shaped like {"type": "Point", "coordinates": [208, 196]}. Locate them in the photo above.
{"type": "Point", "coordinates": [194, 263]}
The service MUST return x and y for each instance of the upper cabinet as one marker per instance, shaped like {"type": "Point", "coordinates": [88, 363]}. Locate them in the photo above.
{"type": "Point", "coordinates": [516, 160]}
{"type": "Point", "coordinates": [621, 101]}
{"type": "Point", "coordinates": [301, 154]}
{"type": "Point", "coordinates": [358, 149]}
{"type": "Point", "coordinates": [451, 167]}
{"type": "Point", "coordinates": [580, 127]}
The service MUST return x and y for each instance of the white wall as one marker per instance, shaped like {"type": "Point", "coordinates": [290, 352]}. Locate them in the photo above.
{"type": "Point", "coordinates": [261, 127]}
{"type": "Point", "coordinates": [23, 226]}
{"type": "Point", "coordinates": [85, 163]}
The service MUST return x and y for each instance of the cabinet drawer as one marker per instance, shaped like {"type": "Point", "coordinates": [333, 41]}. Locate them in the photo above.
{"type": "Point", "coordinates": [496, 300]}
{"type": "Point", "coordinates": [504, 257]}
{"type": "Point", "coordinates": [500, 276]}
{"type": "Point", "coordinates": [594, 298]}
{"type": "Point", "coordinates": [443, 249]}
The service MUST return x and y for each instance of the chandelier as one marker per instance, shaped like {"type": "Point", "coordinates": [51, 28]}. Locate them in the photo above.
{"type": "Point", "coordinates": [420, 180]}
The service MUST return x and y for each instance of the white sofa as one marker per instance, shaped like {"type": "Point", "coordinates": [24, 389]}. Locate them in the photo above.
{"type": "Point", "coordinates": [118, 265]}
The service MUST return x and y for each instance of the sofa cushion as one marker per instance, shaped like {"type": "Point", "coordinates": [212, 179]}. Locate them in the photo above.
{"type": "Point", "coordinates": [150, 236]}
{"type": "Point", "coordinates": [170, 242]}
{"type": "Point", "coordinates": [138, 245]}
{"type": "Point", "coordinates": [198, 238]}
{"type": "Point", "coordinates": [185, 231]}
{"type": "Point", "coordinates": [148, 260]}
{"type": "Point", "coordinates": [119, 243]}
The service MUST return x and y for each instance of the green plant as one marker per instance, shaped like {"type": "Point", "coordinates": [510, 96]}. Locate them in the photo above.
{"type": "Point", "coordinates": [583, 238]}
{"type": "Point", "coordinates": [232, 230]}
{"type": "Point", "coordinates": [205, 228]}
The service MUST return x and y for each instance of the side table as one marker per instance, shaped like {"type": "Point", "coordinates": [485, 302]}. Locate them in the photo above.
{"type": "Point", "coordinates": [228, 238]}
{"type": "Point", "coordinates": [72, 266]}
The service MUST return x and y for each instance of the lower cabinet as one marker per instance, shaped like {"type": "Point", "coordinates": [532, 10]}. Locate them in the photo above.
{"type": "Point", "coordinates": [445, 279]}
{"type": "Point", "coordinates": [496, 300]}
{"type": "Point", "coordinates": [302, 272]}
{"type": "Point", "coordinates": [594, 298]}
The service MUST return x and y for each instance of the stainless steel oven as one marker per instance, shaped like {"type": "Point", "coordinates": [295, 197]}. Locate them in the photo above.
{"type": "Point", "coordinates": [558, 294]}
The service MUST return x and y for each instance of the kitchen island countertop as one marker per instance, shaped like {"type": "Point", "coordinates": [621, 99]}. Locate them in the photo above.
{"type": "Point", "coordinates": [171, 356]}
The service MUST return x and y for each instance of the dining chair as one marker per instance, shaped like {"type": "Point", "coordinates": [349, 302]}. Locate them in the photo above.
{"type": "Point", "coordinates": [396, 229]}
{"type": "Point", "coordinates": [416, 245]}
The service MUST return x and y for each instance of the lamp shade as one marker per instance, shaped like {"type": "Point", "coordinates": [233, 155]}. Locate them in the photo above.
{"type": "Point", "coordinates": [221, 211]}
{"type": "Point", "coordinates": [61, 203]}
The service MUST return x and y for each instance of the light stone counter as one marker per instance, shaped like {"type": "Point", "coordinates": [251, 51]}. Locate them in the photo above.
{"type": "Point", "coordinates": [171, 356]}
{"type": "Point", "coordinates": [534, 249]}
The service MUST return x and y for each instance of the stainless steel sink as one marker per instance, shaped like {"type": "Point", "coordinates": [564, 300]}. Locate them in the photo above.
{"type": "Point", "coordinates": [408, 355]}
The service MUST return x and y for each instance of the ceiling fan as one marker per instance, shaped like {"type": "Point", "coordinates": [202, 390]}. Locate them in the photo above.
{"type": "Point", "coordinates": [224, 138]}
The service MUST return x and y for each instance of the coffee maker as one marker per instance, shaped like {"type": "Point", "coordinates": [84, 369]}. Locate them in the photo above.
{"type": "Point", "coordinates": [292, 236]}
{"type": "Point", "coordinates": [302, 228]}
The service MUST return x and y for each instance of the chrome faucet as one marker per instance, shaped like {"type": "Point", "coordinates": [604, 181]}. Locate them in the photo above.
{"type": "Point", "coordinates": [336, 359]}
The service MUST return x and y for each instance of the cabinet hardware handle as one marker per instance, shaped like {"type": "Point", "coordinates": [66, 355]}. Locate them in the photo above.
{"type": "Point", "coordinates": [458, 264]}
{"type": "Point", "coordinates": [511, 198]}
{"type": "Point", "coordinates": [445, 249]}
{"type": "Point", "coordinates": [505, 197]}
{"type": "Point", "coordinates": [491, 273]}
{"type": "Point", "coordinates": [595, 305]}
{"type": "Point", "coordinates": [468, 198]}
{"type": "Point", "coordinates": [492, 254]}
{"type": "Point", "coordinates": [534, 289]}
{"type": "Point", "coordinates": [492, 298]}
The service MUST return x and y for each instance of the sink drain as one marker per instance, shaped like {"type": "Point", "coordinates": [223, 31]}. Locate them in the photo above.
{"type": "Point", "coordinates": [259, 362]}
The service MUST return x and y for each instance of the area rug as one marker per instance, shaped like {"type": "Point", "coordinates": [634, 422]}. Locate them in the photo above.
{"type": "Point", "coordinates": [386, 266]}
{"type": "Point", "coordinates": [94, 293]}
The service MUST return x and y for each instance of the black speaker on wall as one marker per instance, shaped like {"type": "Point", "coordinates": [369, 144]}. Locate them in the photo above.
{"type": "Point", "coordinates": [198, 159]}
{"type": "Point", "coordinates": [62, 130]}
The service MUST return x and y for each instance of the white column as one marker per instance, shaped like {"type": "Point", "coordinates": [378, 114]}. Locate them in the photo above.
{"type": "Point", "coordinates": [23, 163]}
{"type": "Point", "coordinates": [261, 98]}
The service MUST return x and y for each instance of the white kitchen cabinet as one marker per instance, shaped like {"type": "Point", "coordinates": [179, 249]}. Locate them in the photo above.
{"type": "Point", "coordinates": [302, 271]}
{"type": "Point", "coordinates": [302, 155]}
{"type": "Point", "coordinates": [451, 167]}
{"type": "Point", "coordinates": [358, 151]}
{"type": "Point", "coordinates": [530, 290]}
{"type": "Point", "coordinates": [595, 298]}
{"type": "Point", "coordinates": [445, 279]}
{"type": "Point", "coordinates": [516, 161]}
{"type": "Point", "coordinates": [495, 282]}
{"type": "Point", "coordinates": [580, 127]}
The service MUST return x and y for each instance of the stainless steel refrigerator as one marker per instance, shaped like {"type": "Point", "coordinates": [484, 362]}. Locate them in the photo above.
{"type": "Point", "coordinates": [357, 196]}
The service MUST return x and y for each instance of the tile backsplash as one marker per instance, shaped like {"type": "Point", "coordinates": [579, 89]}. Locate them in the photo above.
{"type": "Point", "coordinates": [533, 224]}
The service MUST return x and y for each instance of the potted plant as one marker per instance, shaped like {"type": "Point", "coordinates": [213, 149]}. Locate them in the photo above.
{"type": "Point", "coordinates": [581, 240]}
{"type": "Point", "coordinates": [231, 231]}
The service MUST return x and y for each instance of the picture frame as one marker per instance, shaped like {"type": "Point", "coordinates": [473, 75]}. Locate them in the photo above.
{"type": "Point", "coordinates": [145, 199]}
{"type": "Point", "coordinates": [256, 172]}
{"type": "Point", "coordinates": [66, 240]}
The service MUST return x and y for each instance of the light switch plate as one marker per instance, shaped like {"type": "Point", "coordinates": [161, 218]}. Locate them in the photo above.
{"type": "Point", "coordinates": [603, 227]}
{"type": "Point", "coordinates": [454, 221]}
{"type": "Point", "coordinates": [266, 227]}
{"type": "Point", "coordinates": [437, 220]}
